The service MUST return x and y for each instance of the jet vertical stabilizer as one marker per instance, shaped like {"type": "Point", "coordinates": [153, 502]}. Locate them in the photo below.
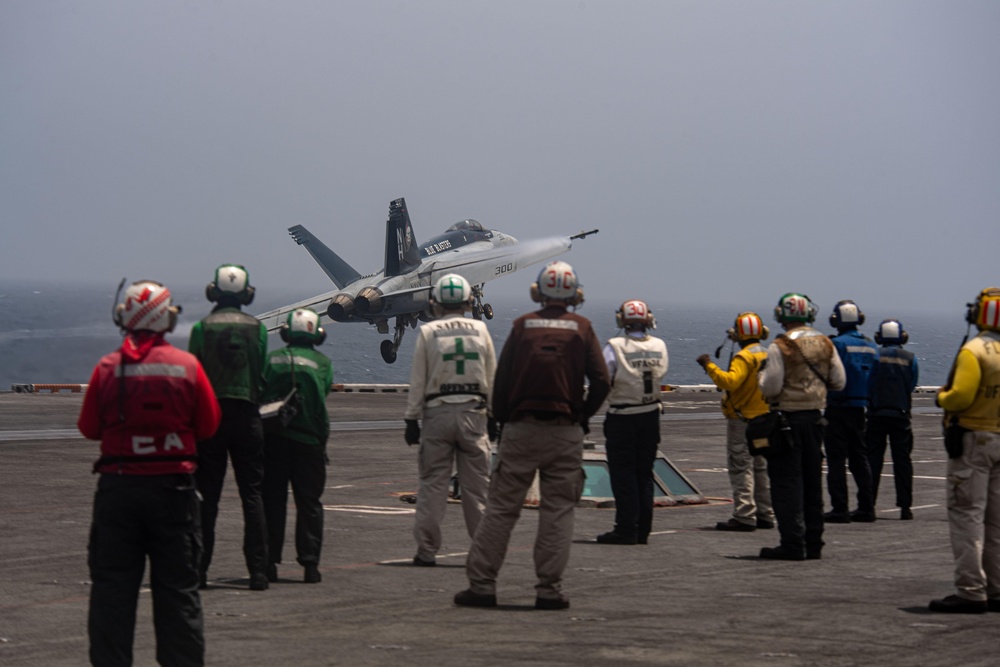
{"type": "Point", "coordinates": [401, 252]}
{"type": "Point", "coordinates": [339, 271]}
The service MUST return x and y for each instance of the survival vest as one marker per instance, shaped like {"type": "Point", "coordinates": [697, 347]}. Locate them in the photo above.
{"type": "Point", "coordinates": [231, 346]}
{"type": "Point", "coordinates": [895, 379]}
{"type": "Point", "coordinates": [984, 413]}
{"type": "Point", "coordinates": [641, 364]}
{"type": "Point", "coordinates": [548, 356]}
{"type": "Point", "coordinates": [860, 358]}
{"type": "Point", "coordinates": [802, 389]}
{"type": "Point", "coordinates": [147, 409]}
{"type": "Point", "coordinates": [743, 398]}
{"type": "Point", "coordinates": [312, 375]}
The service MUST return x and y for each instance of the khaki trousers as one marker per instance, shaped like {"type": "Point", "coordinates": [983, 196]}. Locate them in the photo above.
{"type": "Point", "coordinates": [974, 516]}
{"type": "Point", "coordinates": [556, 453]}
{"type": "Point", "coordinates": [747, 476]}
{"type": "Point", "coordinates": [452, 434]}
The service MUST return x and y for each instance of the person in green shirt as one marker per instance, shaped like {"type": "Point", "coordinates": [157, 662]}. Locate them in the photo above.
{"type": "Point", "coordinates": [295, 444]}
{"type": "Point", "coordinates": [231, 345]}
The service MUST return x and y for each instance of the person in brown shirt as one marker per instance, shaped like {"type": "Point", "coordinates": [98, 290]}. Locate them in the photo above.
{"type": "Point", "coordinates": [539, 399]}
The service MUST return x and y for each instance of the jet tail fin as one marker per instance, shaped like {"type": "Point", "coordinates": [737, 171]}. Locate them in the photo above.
{"type": "Point", "coordinates": [339, 271]}
{"type": "Point", "coordinates": [401, 251]}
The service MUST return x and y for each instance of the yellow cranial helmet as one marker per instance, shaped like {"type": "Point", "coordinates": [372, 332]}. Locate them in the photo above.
{"type": "Point", "coordinates": [984, 312]}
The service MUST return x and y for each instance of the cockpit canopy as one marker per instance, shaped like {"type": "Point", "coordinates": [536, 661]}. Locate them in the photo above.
{"type": "Point", "coordinates": [465, 225]}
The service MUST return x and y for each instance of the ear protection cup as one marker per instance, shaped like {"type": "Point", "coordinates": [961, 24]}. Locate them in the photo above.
{"type": "Point", "coordinates": [536, 296]}
{"type": "Point", "coordinates": [837, 319]}
{"type": "Point", "coordinates": [283, 332]}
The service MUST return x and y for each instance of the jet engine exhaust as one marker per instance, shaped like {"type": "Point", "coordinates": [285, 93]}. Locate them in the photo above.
{"type": "Point", "coordinates": [369, 301]}
{"type": "Point", "coordinates": [341, 308]}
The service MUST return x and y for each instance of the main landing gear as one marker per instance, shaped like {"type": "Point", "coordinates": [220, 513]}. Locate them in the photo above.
{"type": "Point", "coordinates": [479, 309]}
{"type": "Point", "coordinates": [390, 347]}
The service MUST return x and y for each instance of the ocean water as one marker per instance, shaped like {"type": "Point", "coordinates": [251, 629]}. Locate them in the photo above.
{"type": "Point", "coordinates": [55, 334]}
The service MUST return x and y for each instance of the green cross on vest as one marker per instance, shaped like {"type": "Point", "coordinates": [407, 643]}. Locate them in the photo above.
{"type": "Point", "coordinates": [460, 356]}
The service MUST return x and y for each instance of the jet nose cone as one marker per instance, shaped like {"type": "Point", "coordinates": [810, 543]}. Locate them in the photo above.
{"type": "Point", "coordinates": [369, 301]}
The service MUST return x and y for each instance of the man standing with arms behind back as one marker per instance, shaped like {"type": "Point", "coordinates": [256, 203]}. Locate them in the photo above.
{"type": "Point", "coordinates": [971, 401]}
{"type": "Point", "coordinates": [844, 436]}
{"type": "Point", "coordinates": [636, 363]}
{"type": "Point", "coordinates": [540, 402]}
{"type": "Point", "coordinates": [232, 347]}
{"type": "Point", "coordinates": [799, 368]}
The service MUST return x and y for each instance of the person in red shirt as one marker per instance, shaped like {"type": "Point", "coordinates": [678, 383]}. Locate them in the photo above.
{"type": "Point", "coordinates": [148, 403]}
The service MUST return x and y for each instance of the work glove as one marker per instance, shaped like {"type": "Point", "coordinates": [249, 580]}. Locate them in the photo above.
{"type": "Point", "coordinates": [704, 360]}
{"type": "Point", "coordinates": [412, 434]}
{"type": "Point", "coordinates": [492, 429]}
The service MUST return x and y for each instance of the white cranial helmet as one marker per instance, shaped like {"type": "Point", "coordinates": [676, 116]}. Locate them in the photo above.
{"type": "Point", "coordinates": [452, 290]}
{"type": "Point", "coordinates": [147, 307]}
{"type": "Point", "coordinates": [634, 313]}
{"type": "Point", "coordinates": [557, 281]}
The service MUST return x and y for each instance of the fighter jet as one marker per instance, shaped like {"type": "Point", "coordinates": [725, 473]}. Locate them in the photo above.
{"type": "Point", "coordinates": [402, 288]}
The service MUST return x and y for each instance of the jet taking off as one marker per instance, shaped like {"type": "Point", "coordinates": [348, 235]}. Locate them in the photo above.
{"type": "Point", "coordinates": [401, 289]}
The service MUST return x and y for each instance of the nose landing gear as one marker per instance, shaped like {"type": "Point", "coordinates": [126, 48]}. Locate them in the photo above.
{"type": "Point", "coordinates": [479, 309]}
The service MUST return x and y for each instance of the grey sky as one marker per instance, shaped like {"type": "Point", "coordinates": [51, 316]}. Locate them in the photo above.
{"type": "Point", "coordinates": [728, 151]}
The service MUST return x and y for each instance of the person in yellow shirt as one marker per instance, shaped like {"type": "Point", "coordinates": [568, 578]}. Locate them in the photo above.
{"type": "Point", "coordinates": [971, 402]}
{"type": "Point", "coordinates": [741, 403]}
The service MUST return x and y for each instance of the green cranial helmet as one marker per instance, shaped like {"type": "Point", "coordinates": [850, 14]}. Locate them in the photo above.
{"type": "Point", "coordinates": [795, 307]}
{"type": "Point", "coordinates": [302, 326]}
{"type": "Point", "coordinates": [231, 281]}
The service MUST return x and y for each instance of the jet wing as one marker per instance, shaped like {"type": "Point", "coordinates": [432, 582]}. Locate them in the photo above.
{"type": "Point", "coordinates": [273, 319]}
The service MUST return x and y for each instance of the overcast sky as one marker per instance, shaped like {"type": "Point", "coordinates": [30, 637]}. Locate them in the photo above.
{"type": "Point", "coordinates": [728, 151]}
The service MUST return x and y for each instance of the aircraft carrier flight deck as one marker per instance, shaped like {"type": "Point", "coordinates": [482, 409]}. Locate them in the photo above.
{"type": "Point", "coordinates": [692, 596]}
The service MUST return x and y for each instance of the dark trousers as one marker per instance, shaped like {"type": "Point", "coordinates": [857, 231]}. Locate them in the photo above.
{"type": "Point", "coordinates": [241, 438]}
{"type": "Point", "coordinates": [136, 517]}
{"type": "Point", "coordinates": [796, 479]}
{"type": "Point", "coordinates": [304, 466]}
{"type": "Point", "coordinates": [900, 436]}
{"type": "Point", "coordinates": [631, 443]}
{"type": "Point", "coordinates": [845, 444]}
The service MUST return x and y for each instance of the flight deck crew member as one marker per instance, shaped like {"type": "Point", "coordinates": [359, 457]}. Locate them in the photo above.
{"type": "Point", "coordinates": [971, 403]}
{"type": "Point", "coordinates": [636, 364]}
{"type": "Point", "coordinates": [742, 402]}
{"type": "Point", "coordinates": [147, 403]}
{"type": "Point", "coordinates": [450, 390]}
{"type": "Point", "coordinates": [799, 368]}
{"type": "Point", "coordinates": [295, 452]}
{"type": "Point", "coordinates": [844, 437]}
{"type": "Point", "coordinates": [889, 413]}
{"type": "Point", "coordinates": [232, 346]}
{"type": "Point", "coordinates": [540, 403]}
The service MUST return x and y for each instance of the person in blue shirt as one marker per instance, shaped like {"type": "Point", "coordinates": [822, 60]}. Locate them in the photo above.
{"type": "Point", "coordinates": [844, 436]}
{"type": "Point", "coordinates": [889, 413]}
